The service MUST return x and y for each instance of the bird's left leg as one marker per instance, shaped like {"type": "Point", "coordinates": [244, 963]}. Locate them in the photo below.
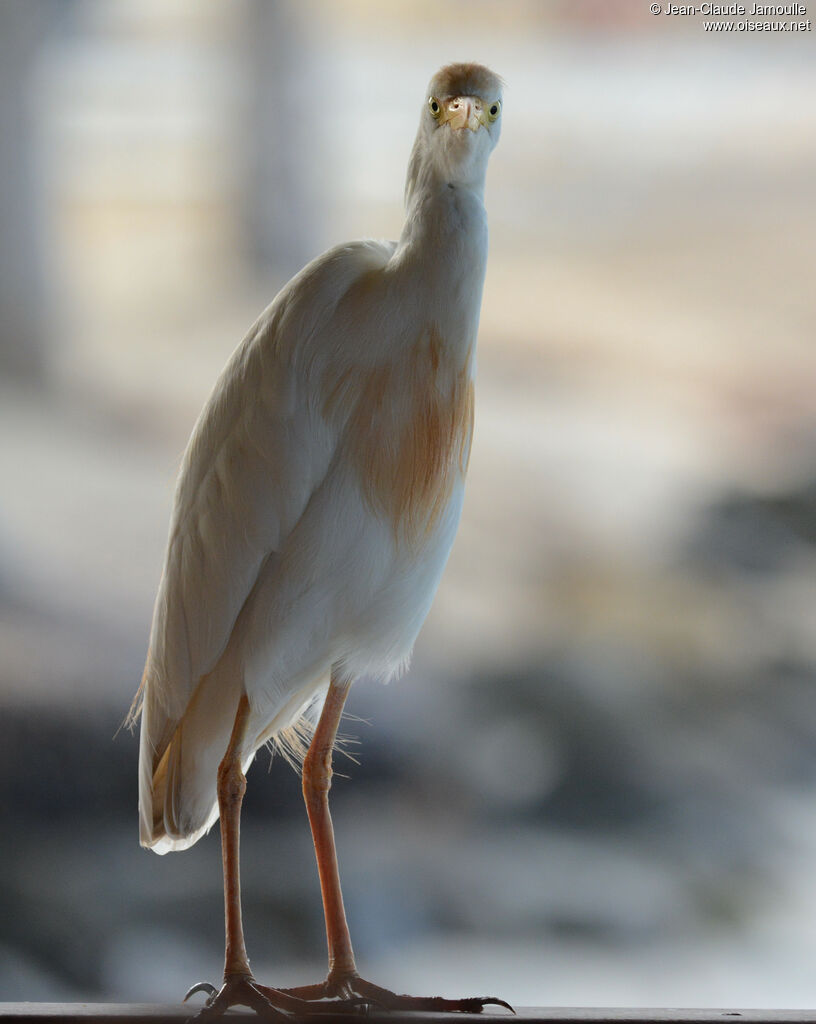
{"type": "Point", "coordinates": [317, 775]}
{"type": "Point", "coordinates": [343, 986]}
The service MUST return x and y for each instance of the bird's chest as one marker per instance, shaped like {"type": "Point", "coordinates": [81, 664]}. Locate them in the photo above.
{"type": "Point", "coordinates": [408, 435]}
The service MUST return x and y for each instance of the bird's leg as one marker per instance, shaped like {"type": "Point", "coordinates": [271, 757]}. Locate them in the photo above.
{"type": "Point", "coordinates": [317, 776]}
{"type": "Point", "coordinates": [231, 789]}
{"type": "Point", "coordinates": [239, 986]}
{"type": "Point", "coordinates": [343, 984]}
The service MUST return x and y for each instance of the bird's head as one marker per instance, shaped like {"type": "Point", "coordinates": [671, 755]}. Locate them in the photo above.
{"type": "Point", "coordinates": [459, 126]}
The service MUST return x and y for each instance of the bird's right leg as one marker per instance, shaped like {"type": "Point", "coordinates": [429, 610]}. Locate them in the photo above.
{"type": "Point", "coordinates": [239, 987]}
{"type": "Point", "coordinates": [231, 789]}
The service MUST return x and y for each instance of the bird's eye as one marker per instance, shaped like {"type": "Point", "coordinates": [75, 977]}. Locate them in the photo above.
{"type": "Point", "coordinates": [433, 106]}
{"type": "Point", "coordinates": [493, 111]}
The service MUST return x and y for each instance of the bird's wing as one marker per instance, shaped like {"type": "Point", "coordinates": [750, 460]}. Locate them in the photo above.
{"type": "Point", "coordinates": [259, 450]}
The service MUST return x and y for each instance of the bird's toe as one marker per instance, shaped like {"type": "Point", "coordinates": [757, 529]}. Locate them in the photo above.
{"type": "Point", "coordinates": [325, 997]}
{"type": "Point", "coordinates": [388, 1000]}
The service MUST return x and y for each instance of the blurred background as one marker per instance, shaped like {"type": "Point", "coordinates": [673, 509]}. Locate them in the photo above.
{"type": "Point", "coordinates": [597, 786]}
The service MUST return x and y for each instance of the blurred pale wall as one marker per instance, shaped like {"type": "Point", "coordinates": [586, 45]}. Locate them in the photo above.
{"type": "Point", "coordinates": [647, 352]}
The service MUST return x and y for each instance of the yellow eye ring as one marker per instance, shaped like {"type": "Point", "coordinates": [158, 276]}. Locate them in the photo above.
{"type": "Point", "coordinates": [434, 107]}
{"type": "Point", "coordinates": [494, 110]}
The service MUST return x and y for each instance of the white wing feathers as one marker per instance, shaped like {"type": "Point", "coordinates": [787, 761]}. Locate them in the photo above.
{"type": "Point", "coordinates": [246, 477]}
{"type": "Point", "coordinates": [258, 452]}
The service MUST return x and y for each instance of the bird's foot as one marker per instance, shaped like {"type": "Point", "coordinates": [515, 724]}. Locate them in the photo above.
{"type": "Point", "coordinates": [237, 990]}
{"type": "Point", "coordinates": [352, 992]}
{"type": "Point", "coordinates": [347, 993]}
{"type": "Point", "coordinates": [272, 1004]}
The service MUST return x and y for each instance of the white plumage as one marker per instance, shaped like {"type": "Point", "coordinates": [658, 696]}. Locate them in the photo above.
{"type": "Point", "coordinates": [321, 489]}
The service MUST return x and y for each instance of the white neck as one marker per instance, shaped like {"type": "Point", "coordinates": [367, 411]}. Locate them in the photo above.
{"type": "Point", "coordinates": [444, 243]}
{"type": "Point", "coordinates": [426, 174]}
{"type": "Point", "coordinates": [444, 217]}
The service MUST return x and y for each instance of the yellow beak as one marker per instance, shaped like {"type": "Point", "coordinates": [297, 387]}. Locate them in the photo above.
{"type": "Point", "coordinates": [463, 112]}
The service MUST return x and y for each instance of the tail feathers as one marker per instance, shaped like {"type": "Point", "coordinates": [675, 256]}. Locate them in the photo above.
{"type": "Point", "coordinates": [177, 777]}
{"type": "Point", "coordinates": [167, 830]}
{"type": "Point", "coordinates": [178, 801]}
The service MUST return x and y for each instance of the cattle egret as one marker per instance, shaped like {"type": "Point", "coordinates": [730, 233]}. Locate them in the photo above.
{"type": "Point", "coordinates": [316, 506]}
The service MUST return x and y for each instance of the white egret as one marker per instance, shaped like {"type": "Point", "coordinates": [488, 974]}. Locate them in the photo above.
{"type": "Point", "coordinates": [315, 509]}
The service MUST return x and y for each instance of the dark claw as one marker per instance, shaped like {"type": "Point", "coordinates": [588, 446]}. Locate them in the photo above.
{"type": "Point", "coordinates": [473, 1004]}
{"type": "Point", "coordinates": [202, 986]}
{"type": "Point", "coordinates": [494, 1001]}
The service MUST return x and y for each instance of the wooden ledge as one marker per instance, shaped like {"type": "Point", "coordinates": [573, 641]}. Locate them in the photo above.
{"type": "Point", "coordinates": [151, 1013]}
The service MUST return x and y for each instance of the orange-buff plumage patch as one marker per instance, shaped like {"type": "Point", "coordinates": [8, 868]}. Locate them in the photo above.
{"type": "Point", "coordinates": [409, 433]}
